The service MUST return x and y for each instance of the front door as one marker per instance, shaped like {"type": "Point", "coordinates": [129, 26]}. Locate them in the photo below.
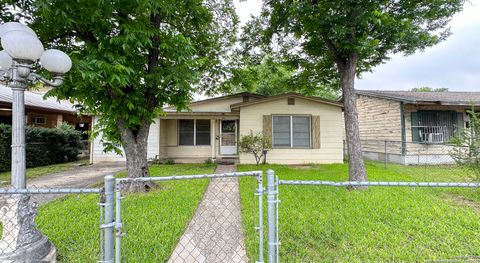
{"type": "Point", "coordinates": [228, 137]}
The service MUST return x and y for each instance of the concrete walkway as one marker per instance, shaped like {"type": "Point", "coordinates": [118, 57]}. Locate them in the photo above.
{"type": "Point", "coordinates": [215, 233]}
{"type": "Point", "coordinates": [79, 177]}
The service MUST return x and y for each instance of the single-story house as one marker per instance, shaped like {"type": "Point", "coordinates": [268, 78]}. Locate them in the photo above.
{"type": "Point", "coordinates": [43, 112]}
{"type": "Point", "coordinates": [302, 130]}
{"type": "Point", "coordinates": [412, 127]}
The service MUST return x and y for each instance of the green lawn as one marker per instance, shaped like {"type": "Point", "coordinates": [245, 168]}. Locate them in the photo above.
{"type": "Point", "coordinates": [153, 222]}
{"type": "Point", "coordinates": [42, 170]}
{"type": "Point", "coordinates": [324, 224]}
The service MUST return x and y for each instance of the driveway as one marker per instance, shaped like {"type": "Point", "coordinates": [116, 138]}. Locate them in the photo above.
{"type": "Point", "coordinates": [79, 177]}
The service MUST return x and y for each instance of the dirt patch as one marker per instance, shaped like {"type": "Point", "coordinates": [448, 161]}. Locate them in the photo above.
{"type": "Point", "coordinates": [304, 167]}
{"type": "Point", "coordinates": [462, 201]}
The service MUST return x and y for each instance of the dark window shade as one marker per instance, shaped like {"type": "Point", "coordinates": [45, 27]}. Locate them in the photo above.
{"type": "Point", "coordinates": [186, 132]}
{"type": "Point", "coordinates": [203, 132]}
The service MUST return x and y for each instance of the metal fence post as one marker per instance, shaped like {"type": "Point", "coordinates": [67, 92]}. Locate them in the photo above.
{"type": "Point", "coordinates": [109, 213]}
{"type": "Point", "coordinates": [386, 155]}
{"type": "Point", "coordinates": [260, 217]}
{"type": "Point", "coordinates": [118, 223]}
{"type": "Point", "coordinates": [271, 203]}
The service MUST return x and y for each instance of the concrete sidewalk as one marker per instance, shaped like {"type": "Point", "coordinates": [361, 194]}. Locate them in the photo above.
{"type": "Point", "coordinates": [79, 177]}
{"type": "Point", "coordinates": [215, 233]}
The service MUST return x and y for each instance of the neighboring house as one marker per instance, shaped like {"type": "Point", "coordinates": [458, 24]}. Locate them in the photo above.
{"type": "Point", "coordinates": [302, 130]}
{"type": "Point", "coordinates": [412, 127]}
{"type": "Point", "coordinates": [42, 112]}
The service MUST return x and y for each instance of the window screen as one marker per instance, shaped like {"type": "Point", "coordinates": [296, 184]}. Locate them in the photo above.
{"type": "Point", "coordinates": [281, 131]}
{"type": "Point", "coordinates": [186, 132]}
{"type": "Point", "coordinates": [301, 131]}
{"type": "Point", "coordinates": [291, 131]}
{"type": "Point", "coordinates": [203, 132]}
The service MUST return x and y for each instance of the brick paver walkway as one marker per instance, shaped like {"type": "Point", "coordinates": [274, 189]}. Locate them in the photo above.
{"type": "Point", "coordinates": [215, 233]}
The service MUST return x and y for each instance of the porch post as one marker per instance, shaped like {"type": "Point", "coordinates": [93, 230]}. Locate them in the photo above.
{"type": "Point", "coordinates": [212, 138]}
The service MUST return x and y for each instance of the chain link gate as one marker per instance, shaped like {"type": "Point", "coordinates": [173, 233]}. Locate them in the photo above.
{"type": "Point", "coordinates": [214, 230]}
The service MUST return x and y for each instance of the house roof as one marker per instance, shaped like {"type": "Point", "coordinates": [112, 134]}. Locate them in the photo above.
{"type": "Point", "coordinates": [34, 100]}
{"type": "Point", "coordinates": [414, 97]}
{"type": "Point", "coordinates": [212, 100]}
{"type": "Point", "coordinates": [287, 95]}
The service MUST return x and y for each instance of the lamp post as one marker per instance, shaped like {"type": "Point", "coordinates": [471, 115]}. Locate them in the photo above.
{"type": "Point", "coordinates": [21, 242]}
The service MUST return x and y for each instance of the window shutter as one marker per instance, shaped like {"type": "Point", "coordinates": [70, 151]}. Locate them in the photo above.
{"type": "Point", "coordinates": [316, 132]}
{"type": "Point", "coordinates": [267, 127]}
{"type": "Point", "coordinates": [415, 131]}
{"type": "Point", "coordinates": [460, 123]}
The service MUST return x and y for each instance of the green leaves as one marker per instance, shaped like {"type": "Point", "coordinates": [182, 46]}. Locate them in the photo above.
{"type": "Point", "coordinates": [132, 57]}
{"type": "Point", "coordinates": [368, 30]}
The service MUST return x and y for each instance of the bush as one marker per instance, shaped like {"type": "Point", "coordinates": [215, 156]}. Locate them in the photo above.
{"type": "Point", "coordinates": [466, 150]}
{"type": "Point", "coordinates": [44, 146]}
{"type": "Point", "coordinates": [209, 161]}
{"type": "Point", "coordinates": [256, 144]}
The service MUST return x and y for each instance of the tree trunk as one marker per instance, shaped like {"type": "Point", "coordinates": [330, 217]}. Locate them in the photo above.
{"type": "Point", "coordinates": [135, 148]}
{"type": "Point", "coordinates": [356, 165]}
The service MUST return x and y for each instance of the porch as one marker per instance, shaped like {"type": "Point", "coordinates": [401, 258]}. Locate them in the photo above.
{"type": "Point", "coordinates": [196, 138]}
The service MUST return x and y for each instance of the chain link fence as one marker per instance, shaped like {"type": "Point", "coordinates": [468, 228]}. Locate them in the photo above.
{"type": "Point", "coordinates": [328, 221]}
{"type": "Point", "coordinates": [192, 218]}
{"type": "Point", "coordinates": [412, 158]}
{"type": "Point", "coordinates": [50, 225]}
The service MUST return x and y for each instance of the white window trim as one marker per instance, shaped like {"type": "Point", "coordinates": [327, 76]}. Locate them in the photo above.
{"type": "Point", "coordinates": [194, 133]}
{"type": "Point", "coordinates": [36, 118]}
{"type": "Point", "coordinates": [291, 132]}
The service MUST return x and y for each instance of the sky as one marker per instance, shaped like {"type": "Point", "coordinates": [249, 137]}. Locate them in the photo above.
{"type": "Point", "coordinates": [452, 64]}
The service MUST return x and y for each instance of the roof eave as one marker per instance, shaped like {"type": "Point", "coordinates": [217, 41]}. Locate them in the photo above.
{"type": "Point", "coordinates": [289, 94]}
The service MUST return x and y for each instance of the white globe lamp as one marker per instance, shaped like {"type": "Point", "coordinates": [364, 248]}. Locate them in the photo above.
{"type": "Point", "coordinates": [56, 61]}
{"type": "Point", "coordinates": [22, 45]}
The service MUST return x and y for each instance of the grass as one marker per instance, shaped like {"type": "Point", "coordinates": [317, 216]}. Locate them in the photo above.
{"type": "Point", "coordinates": [324, 224]}
{"type": "Point", "coordinates": [43, 170]}
{"type": "Point", "coordinates": [153, 222]}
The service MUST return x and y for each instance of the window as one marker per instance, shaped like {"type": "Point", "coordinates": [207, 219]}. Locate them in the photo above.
{"type": "Point", "coordinates": [291, 131]}
{"type": "Point", "coordinates": [194, 132]}
{"type": "Point", "coordinates": [203, 132]}
{"type": "Point", "coordinates": [186, 131]}
{"type": "Point", "coordinates": [39, 120]}
{"type": "Point", "coordinates": [435, 126]}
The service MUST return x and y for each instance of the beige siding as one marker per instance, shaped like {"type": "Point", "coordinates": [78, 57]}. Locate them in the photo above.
{"type": "Point", "coordinates": [97, 150]}
{"type": "Point", "coordinates": [153, 148]}
{"type": "Point", "coordinates": [331, 127]}
{"type": "Point", "coordinates": [152, 151]}
{"type": "Point", "coordinates": [216, 106]}
{"type": "Point", "coordinates": [379, 119]}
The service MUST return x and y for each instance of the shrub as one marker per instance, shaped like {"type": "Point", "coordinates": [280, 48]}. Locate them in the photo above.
{"type": "Point", "coordinates": [44, 146]}
{"type": "Point", "coordinates": [256, 144]}
{"type": "Point", "coordinates": [209, 161]}
{"type": "Point", "coordinates": [466, 150]}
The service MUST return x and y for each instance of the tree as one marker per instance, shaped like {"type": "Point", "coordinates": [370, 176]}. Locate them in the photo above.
{"type": "Point", "coordinates": [466, 150]}
{"type": "Point", "coordinates": [132, 57]}
{"type": "Point", "coordinates": [260, 69]}
{"type": "Point", "coordinates": [428, 89]}
{"type": "Point", "coordinates": [256, 144]}
{"type": "Point", "coordinates": [346, 38]}
{"type": "Point", "coordinates": [271, 77]}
